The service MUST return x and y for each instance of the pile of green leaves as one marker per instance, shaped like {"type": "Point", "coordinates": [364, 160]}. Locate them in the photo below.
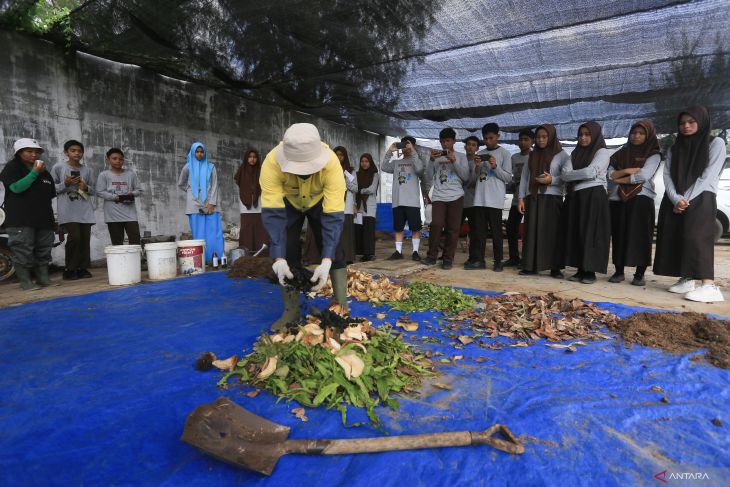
{"type": "Point", "coordinates": [311, 376]}
{"type": "Point", "coordinates": [424, 296]}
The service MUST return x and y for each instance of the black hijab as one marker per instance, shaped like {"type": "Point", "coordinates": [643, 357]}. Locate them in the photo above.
{"type": "Point", "coordinates": [691, 153]}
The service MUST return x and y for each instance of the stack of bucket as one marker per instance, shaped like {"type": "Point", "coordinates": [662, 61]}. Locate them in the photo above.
{"type": "Point", "coordinates": [165, 260]}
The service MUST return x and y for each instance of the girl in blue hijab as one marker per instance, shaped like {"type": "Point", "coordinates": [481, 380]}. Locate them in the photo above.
{"type": "Point", "coordinates": [199, 180]}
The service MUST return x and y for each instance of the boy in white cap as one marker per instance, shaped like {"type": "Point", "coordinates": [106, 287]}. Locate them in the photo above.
{"type": "Point", "coordinates": [29, 191]}
{"type": "Point", "coordinates": [302, 177]}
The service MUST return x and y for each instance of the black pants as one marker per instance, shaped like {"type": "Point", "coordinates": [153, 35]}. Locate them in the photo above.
{"type": "Point", "coordinates": [117, 229]}
{"type": "Point", "coordinates": [486, 221]}
{"type": "Point", "coordinates": [295, 224]}
{"type": "Point", "coordinates": [365, 236]}
{"type": "Point", "coordinates": [513, 232]}
{"type": "Point", "coordinates": [78, 252]}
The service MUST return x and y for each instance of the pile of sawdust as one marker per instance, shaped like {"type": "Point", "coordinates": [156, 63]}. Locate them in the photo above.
{"type": "Point", "coordinates": [679, 333]}
{"type": "Point", "coordinates": [250, 266]}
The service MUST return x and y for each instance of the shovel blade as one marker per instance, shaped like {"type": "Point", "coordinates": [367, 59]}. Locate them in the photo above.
{"type": "Point", "coordinates": [228, 432]}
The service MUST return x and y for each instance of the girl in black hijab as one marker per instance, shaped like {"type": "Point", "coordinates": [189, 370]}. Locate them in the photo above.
{"type": "Point", "coordinates": [540, 200]}
{"type": "Point", "coordinates": [685, 237]}
{"type": "Point", "coordinates": [586, 219]}
{"type": "Point", "coordinates": [632, 171]}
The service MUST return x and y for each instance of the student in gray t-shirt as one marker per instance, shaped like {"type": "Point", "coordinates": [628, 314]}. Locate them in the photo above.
{"type": "Point", "coordinates": [525, 141]}
{"type": "Point", "coordinates": [119, 189]}
{"type": "Point", "coordinates": [406, 193]}
{"type": "Point", "coordinates": [74, 188]}
{"type": "Point", "coordinates": [492, 174]}
{"type": "Point", "coordinates": [447, 172]}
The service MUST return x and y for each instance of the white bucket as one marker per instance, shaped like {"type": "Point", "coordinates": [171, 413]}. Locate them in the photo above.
{"type": "Point", "coordinates": [124, 264]}
{"type": "Point", "coordinates": [161, 260]}
{"type": "Point", "coordinates": [190, 257]}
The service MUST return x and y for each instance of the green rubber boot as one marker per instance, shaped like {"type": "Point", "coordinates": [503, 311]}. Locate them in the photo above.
{"type": "Point", "coordinates": [41, 276]}
{"type": "Point", "coordinates": [292, 313]}
{"type": "Point", "coordinates": [339, 287]}
{"type": "Point", "coordinates": [23, 274]}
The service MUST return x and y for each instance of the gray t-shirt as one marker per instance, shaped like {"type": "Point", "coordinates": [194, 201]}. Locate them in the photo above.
{"type": "Point", "coordinates": [491, 184]}
{"type": "Point", "coordinates": [518, 162]}
{"type": "Point", "coordinates": [110, 185]}
{"type": "Point", "coordinates": [406, 172]}
{"type": "Point", "coordinates": [447, 178]}
{"type": "Point", "coordinates": [71, 204]}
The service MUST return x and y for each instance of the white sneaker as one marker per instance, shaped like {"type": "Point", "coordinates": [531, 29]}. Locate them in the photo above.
{"type": "Point", "coordinates": [707, 293]}
{"type": "Point", "coordinates": [683, 286]}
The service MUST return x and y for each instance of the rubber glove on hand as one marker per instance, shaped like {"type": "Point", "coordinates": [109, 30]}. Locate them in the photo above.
{"type": "Point", "coordinates": [281, 268]}
{"type": "Point", "coordinates": [320, 274]}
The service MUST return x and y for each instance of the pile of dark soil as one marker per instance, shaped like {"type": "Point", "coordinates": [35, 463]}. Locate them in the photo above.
{"type": "Point", "coordinates": [302, 280]}
{"type": "Point", "coordinates": [250, 266]}
{"type": "Point", "coordinates": [679, 333]}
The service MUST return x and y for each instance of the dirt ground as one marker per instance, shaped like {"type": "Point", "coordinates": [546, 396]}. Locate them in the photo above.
{"type": "Point", "coordinates": [653, 295]}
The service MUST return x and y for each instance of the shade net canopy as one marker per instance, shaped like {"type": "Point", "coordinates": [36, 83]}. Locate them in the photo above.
{"type": "Point", "coordinates": [416, 66]}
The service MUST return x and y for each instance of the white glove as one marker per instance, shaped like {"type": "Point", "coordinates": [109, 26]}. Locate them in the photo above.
{"type": "Point", "coordinates": [281, 268]}
{"type": "Point", "coordinates": [320, 274]}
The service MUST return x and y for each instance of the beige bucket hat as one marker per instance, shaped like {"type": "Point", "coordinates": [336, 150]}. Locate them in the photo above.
{"type": "Point", "coordinates": [302, 151]}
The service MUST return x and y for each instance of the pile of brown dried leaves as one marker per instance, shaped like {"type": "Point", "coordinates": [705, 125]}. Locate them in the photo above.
{"type": "Point", "coordinates": [369, 287]}
{"type": "Point", "coordinates": [524, 317]}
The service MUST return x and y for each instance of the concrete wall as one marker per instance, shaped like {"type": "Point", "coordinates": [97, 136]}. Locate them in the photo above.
{"type": "Point", "coordinates": [52, 97]}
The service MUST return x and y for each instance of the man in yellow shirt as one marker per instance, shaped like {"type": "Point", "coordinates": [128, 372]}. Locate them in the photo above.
{"type": "Point", "coordinates": [302, 178]}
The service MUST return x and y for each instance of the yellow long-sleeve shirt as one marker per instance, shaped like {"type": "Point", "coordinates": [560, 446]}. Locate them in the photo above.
{"type": "Point", "coordinates": [283, 193]}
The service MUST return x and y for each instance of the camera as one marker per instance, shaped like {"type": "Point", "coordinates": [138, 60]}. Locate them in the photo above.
{"type": "Point", "coordinates": [400, 145]}
{"type": "Point", "coordinates": [444, 153]}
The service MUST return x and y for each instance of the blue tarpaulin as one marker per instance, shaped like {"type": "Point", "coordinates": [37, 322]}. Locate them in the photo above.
{"type": "Point", "coordinates": [95, 389]}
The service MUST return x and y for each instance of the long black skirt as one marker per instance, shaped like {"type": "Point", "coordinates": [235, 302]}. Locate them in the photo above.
{"type": "Point", "coordinates": [588, 232]}
{"type": "Point", "coordinates": [365, 236]}
{"type": "Point", "coordinates": [685, 244]}
{"type": "Point", "coordinates": [542, 218]}
{"type": "Point", "coordinates": [632, 229]}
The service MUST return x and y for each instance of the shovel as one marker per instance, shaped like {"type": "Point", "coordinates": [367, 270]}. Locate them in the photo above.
{"type": "Point", "coordinates": [234, 435]}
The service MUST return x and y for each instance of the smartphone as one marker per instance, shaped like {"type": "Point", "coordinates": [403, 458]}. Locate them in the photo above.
{"type": "Point", "coordinates": [444, 153]}
{"type": "Point", "coordinates": [400, 145]}
{"type": "Point", "coordinates": [75, 173]}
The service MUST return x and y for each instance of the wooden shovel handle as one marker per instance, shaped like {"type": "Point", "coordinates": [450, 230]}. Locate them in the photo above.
{"type": "Point", "coordinates": [409, 442]}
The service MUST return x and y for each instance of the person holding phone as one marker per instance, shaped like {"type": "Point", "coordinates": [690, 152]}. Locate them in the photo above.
{"type": "Point", "coordinates": [74, 186]}
{"type": "Point", "coordinates": [406, 197]}
{"type": "Point", "coordinates": [119, 188]}
{"type": "Point", "coordinates": [29, 193]}
{"type": "Point", "coordinates": [492, 173]}
{"type": "Point", "coordinates": [448, 171]}
{"type": "Point", "coordinates": [540, 200]}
